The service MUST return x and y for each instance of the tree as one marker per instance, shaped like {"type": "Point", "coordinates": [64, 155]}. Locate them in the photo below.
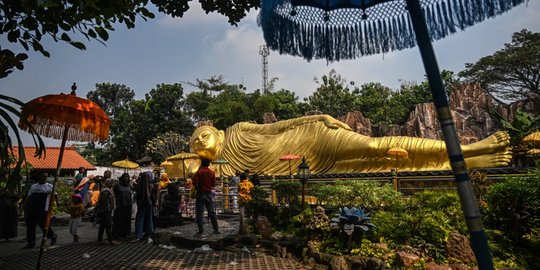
{"type": "Point", "coordinates": [197, 103]}
{"type": "Point", "coordinates": [372, 99]}
{"type": "Point", "coordinates": [167, 144]}
{"type": "Point", "coordinates": [512, 73]}
{"type": "Point", "coordinates": [161, 111]}
{"type": "Point", "coordinates": [522, 125]}
{"type": "Point", "coordinates": [26, 22]}
{"type": "Point", "coordinates": [111, 97]}
{"type": "Point", "coordinates": [332, 96]}
{"type": "Point", "coordinates": [229, 107]}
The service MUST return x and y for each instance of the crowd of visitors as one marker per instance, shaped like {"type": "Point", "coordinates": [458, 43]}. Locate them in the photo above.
{"type": "Point", "coordinates": [115, 203]}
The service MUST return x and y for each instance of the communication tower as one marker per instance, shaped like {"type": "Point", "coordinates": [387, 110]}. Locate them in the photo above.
{"type": "Point", "coordinates": [264, 52]}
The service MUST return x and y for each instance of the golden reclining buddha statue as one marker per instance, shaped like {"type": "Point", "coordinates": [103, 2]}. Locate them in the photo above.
{"type": "Point", "coordinates": [330, 146]}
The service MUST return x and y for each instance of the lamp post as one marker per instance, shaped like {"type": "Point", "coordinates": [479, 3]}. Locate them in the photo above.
{"type": "Point", "coordinates": [303, 174]}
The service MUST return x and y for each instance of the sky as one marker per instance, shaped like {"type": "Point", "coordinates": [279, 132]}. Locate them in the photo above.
{"type": "Point", "coordinates": [198, 46]}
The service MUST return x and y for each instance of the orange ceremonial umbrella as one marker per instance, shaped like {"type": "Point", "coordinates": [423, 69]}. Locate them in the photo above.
{"type": "Point", "coordinates": [64, 117]}
{"type": "Point", "coordinates": [289, 157]}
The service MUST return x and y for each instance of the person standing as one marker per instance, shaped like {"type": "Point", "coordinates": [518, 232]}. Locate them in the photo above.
{"type": "Point", "coordinates": [144, 189]}
{"type": "Point", "coordinates": [122, 214]}
{"type": "Point", "coordinates": [76, 209]}
{"type": "Point", "coordinates": [104, 209]}
{"type": "Point", "coordinates": [80, 176]}
{"type": "Point", "coordinates": [204, 181]}
{"type": "Point", "coordinates": [244, 192]}
{"type": "Point", "coordinates": [37, 206]}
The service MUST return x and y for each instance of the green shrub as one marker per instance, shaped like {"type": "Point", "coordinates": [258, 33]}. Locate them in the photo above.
{"type": "Point", "coordinates": [370, 195]}
{"type": "Point", "coordinates": [287, 193]}
{"type": "Point", "coordinates": [64, 193]}
{"type": "Point", "coordinates": [514, 205]}
{"type": "Point", "coordinates": [259, 204]}
{"type": "Point", "coordinates": [424, 223]}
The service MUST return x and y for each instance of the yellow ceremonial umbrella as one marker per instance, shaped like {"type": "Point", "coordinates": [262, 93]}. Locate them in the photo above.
{"type": "Point", "coordinates": [183, 156]}
{"type": "Point", "coordinates": [126, 164]}
{"type": "Point", "coordinates": [166, 164]}
{"type": "Point", "coordinates": [533, 138]}
{"type": "Point", "coordinates": [397, 152]}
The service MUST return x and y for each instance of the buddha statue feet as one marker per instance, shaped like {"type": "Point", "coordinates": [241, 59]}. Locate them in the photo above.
{"type": "Point", "coordinates": [498, 159]}
{"type": "Point", "coordinates": [495, 143]}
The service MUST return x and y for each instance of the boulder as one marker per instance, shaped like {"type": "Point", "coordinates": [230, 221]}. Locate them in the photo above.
{"type": "Point", "coordinates": [459, 247]}
{"type": "Point", "coordinates": [339, 263]}
{"type": "Point", "coordinates": [264, 227]}
{"type": "Point", "coordinates": [458, 266]}
{"type": "Point", "coordinates": [435, 266]}
{"type": "Point", "coordinates": [407, 259]}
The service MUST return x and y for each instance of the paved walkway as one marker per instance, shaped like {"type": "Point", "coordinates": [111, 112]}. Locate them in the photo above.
{"type": "Point", "coordinates": [141, 255]}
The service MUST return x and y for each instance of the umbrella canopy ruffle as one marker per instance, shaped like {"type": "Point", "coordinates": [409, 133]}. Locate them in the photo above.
{"type": "Point", "coordinates": [50, 114]}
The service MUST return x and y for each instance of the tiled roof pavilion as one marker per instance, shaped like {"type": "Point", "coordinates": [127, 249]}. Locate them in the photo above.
{"type": "Point", "coordinates": [71, 161]}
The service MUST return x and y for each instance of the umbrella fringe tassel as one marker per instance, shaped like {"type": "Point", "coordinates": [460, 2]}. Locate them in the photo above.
{"type": "Point", "coordinates": [79, 131]}
{"type": "Point", "coordinates": [313, 36]}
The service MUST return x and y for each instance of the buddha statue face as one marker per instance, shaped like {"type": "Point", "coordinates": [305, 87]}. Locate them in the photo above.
{"type": "Point", "coordinates": [206, 141]}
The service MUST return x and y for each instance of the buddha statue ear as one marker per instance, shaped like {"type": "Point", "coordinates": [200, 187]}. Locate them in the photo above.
{"type": "Point", "coordinates": [221, 135]}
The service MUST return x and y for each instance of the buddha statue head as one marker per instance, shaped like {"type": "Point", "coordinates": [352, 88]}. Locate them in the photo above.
{"type": "Point", "coordinates": [207, 141]}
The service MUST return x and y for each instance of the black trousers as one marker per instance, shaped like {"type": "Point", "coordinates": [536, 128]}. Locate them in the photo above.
{"type": "Point", "coordinates": [34, 218]}
{"type": "Point", "coordinates": [105, 220]}
{"type": "Point", "coordinates": [122, 222]}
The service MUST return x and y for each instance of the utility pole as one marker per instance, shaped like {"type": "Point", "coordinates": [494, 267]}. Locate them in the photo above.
{"type": "Point", "coordinates": [264, 52]}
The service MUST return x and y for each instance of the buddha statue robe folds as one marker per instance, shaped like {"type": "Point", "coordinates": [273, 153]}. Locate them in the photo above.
{"type": "Point", "coordinates": [330, 146]}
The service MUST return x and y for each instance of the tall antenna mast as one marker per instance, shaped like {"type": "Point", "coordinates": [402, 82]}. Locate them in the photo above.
{"type": "Point", "coordinates": [264, 52]}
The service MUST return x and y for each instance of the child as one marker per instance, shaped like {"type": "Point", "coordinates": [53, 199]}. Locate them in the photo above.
{"type": "Point", "coordinates": [244, 192]}
{"type": "Point", "coordinates": [75, 210]}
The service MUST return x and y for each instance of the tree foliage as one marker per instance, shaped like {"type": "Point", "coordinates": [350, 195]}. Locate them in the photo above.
{"type": "Point", "coordinates": [167, 144]}
{"type": "Point", "coordinates": [512, 73]}
{"type": "Point", "coordinates": [520, 126]}
{"type": "Point", "coordinates": [135, 122]}
{"type": "Point", "coordinates": [332, 96]}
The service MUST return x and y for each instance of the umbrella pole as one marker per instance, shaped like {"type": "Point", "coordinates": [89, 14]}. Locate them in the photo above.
{"type": "Point", "coordinates": [183, 169]}
{"type": "Point", "coordinates": [453, 148]}
{"type": "Point", "coordinates": [290, 171]}
{"type": "Point", "coordinates": [51, 198]}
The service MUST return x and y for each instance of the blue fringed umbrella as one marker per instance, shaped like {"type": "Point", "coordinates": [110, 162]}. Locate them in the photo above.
{"type": "Point", "coordinates": [341, 29]}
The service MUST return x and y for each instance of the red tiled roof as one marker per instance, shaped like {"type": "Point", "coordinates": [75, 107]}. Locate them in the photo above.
{"type": "Point", "coordinates": [71, 161]}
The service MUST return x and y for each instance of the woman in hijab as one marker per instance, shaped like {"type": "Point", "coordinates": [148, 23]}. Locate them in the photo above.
{"type": "Point", "coordinates": [143, 220]}
{"type": "Point", "coordinates": [122, 214]}
{"type": "Point", "coordinates": [104, 208]}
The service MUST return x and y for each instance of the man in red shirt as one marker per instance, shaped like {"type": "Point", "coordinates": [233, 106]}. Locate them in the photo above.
{"type": "Point", "coordinates": [204, 181]}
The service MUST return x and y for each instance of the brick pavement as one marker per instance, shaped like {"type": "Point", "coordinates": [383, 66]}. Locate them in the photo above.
{"type": "Point", "coordinates": [144, 257]}
{"type": "Point", "coordinates": [141, 255]}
